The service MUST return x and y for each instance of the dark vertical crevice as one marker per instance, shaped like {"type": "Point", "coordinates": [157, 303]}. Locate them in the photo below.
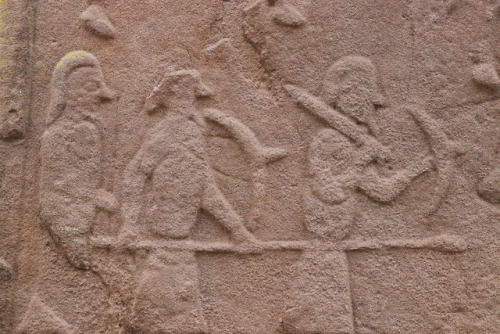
{"type": "Point", "coordinates": [32, 11]}
{"type": "Point", "coordinates": [22, 208]}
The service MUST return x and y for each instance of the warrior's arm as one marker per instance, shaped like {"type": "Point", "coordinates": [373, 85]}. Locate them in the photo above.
{"type": "Point", "coordinates": [132, 187]}
{"type": "Point", "coordinates": [322, 110]}
{"type": "Point", "coordinates": [136, 173]}
{"type": "Point", "coordinates": [214, 202]}
{"type": "Point", "coordinates": [53, 182]}
{"type": "Point", "coordinates": [245, 137]}
{"type": "Point", "coordinates": [68, 231]}
{"type": "Point", "coordinates": [386, 189]}
{"type": "Point", "coordinates": [337, 121]}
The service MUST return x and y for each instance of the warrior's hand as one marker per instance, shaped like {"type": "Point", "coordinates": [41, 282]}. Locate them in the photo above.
{"type": "Point", "coordinates": [253, 223]}
{"type": "Point", "coordinates": [297, 93]}
{"type": "Point", "coordinates": [244, 236]}
{"type": "Point", "coordinates": [374, 150]}
{"type": "Point", "coordinates": [74, 243]}
{"type": "Point", "coordinates": [106, 201]}
{"type": "Point", "coordinates": [127, 239]}
{"type": "Point", "coordinates": [424, 164]}
{"type": "Point", "coordinates": [78, 253]}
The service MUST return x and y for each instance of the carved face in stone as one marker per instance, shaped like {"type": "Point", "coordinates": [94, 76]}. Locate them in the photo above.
{"type": "Point", "coordinates": [350, 86]}
{"type": "Point", "coordinates": [85, 87]}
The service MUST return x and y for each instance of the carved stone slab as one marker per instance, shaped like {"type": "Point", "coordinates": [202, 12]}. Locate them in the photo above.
{"type": "Point", "coordinates": [249, 166]}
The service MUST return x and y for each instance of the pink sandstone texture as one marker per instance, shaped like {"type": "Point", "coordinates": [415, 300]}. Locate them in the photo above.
{"type": "Point", "coordinates": [249, 166]}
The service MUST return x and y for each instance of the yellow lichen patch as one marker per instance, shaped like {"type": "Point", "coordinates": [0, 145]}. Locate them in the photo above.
{"type": "Point", "coordinates": [2, 32]}
{"type": "Point", "coordinates": [2, 60]}
{"type": "Point", "coordinates": [3, 53]}
{"type": "Point", "coordinates": [70, 56]}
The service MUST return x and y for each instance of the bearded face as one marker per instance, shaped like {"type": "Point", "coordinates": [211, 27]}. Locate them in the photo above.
{"type": "Point", "coordinates": [85, 87]}
{"type": "Point", "coordinates": [351, 87]}
{"type": "Point", "coordinates": [357, 102]}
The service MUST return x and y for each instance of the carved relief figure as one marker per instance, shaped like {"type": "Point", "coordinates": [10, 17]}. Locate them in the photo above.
{"type": "Point", "coordinates": [344, 159]}
{"type": "Point", "coordinates": [347, 157]}
{"type": "Point", "coordinates": [165, 186]}
{"type": "Point", "coordinates": [486, 55]}
{"type": "Point", "coordinates": [71, 179]}
{"type": "Point", "coordinates": [485, 74]}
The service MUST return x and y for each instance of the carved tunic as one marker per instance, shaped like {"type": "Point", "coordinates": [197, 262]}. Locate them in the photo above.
{"type": "Point", "coordinates": [168, 297]}
{"type": "Point", "coordinates": [175, 159]}
{"type": "Point", "coordinates": [330, 202]}
{"type": "Point", "coordinates": [70, 175]}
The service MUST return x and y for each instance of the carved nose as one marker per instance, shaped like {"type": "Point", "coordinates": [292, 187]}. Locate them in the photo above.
{"type": "Point", "coordinates": [203, 90]}
{"type": "Point", "coordinates": [107, 94]}
{"type": "Point", "coordinates": [153, 101]}
{"type": "Point", "coordinates": [150, 106]}
{"type": "Point", "coordinates": [380, 101]}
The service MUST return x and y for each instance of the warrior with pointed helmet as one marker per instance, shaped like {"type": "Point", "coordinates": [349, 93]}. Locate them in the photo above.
{"type": "Point", "coordinates": [174, 162]}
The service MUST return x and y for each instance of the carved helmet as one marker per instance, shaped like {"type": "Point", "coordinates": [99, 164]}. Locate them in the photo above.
{"type": "Point", "coordinates": [69, 63]}
{"type": "Point", "coordinates": [175, 83]}
{"type": "Point", "coordinates": [349, 71]}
